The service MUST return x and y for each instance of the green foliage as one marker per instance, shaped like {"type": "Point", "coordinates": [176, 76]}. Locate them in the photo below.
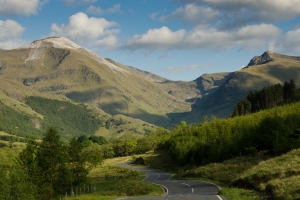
{"type": "Point", "coordinates": [277, 176]}
{"type": "Point", "coordinates": [98, 139]}
{"type": "Point", "coordinates": [266, 98]}
{"type": "Point", "coordinates": [16, 123]}
{"type": "Point", "coordinates": [53, 167]}
{"type": "Point", "coordinates": [220, 139]}
{"type": "Point", "coordinates": [130, 145]}
{"type": "Point", "coordinates": [15, 185]}
{"type": "Point", "coordinates": [72, 120]}
{"type": "Point", "coordinates": [93, 155]}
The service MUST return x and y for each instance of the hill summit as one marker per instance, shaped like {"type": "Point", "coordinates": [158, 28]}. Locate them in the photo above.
{"type": "Point", "coordinates": [269, 56]}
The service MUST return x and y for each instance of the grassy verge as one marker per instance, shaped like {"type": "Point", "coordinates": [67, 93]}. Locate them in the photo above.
{"type": "Point", "coordinates": [279, 176]}
{"type": "Point", "coordinates": [123, 184]}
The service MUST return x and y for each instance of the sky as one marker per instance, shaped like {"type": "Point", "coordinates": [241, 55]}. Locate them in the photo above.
{"type": "Point", "coordinates": [176, 39]}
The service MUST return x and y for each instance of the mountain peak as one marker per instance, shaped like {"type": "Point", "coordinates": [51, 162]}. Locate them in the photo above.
{"type": "Point", "coordinates": [269, 56]}
{"type": "Point", "coordinates": [57, 42]}
{"type": "Point", "coordinates": [264, 58]}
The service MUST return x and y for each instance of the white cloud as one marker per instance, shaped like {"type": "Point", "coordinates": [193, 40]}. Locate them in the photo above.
{"type": "Point", "coordinates": [108, 41]}
{"type": "Point", "coordinates": [248, 37]}
{"type": "Point", "coordinates": [99, 11]}
{"type": "Point", "coordinates": [289, 42]}
{"type": "Point", "coordinates": [13, 43]}
{"type": "Point", "coordinates": [160, 39]}
{"type": "Point", "coordinates": [270, 10]}
{"type": "Point", "coordinates": [10, 31]}
{"type": "Point", "coordinates": [85, 30]}
{"type": "Point", "coordinates": [78, 2]}
{"type": "Point", "coordinates": [17, 7]}
{"type": "Point", "coordinates": [193, 14]}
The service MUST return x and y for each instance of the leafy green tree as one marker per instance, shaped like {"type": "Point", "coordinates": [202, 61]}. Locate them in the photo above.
{"type": "Point", "coordinates": [76, 163]}
{"type": "Point", "coordinates": [15, 185]}
{"type": "Point", "coordinates": [51, 159]}
{"type": "Point", "coordinates": [52, 166]}
{"type": "Point", "coordinates": [84, 141]}
{"type": "Point", "coordinates": [93, 155]}
{"type": "Point", "coordinates": [98, 139]}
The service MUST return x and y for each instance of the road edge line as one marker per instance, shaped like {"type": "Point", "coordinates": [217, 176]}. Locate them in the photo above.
{"type": "Point", "coordinates": [219, 197]}
{"type": "Point", "coordinates": [165, 188]}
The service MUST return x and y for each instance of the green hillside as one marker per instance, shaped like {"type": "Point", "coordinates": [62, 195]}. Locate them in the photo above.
{"type": "Point", "coordinates": [221, 103]}
{"type": "Point", "coordinates": [69, 72]}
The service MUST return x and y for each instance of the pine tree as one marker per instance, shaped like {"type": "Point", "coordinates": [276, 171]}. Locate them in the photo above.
{"type": "Point", "coordinates": [51, 160]}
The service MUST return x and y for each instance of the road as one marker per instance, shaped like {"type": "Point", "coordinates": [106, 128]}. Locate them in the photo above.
{"type": "Point", "coordinates": [177, 189]}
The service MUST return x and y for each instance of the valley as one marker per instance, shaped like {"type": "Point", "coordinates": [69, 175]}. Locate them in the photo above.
{"type": "Point", "coordinates": [186, 128]}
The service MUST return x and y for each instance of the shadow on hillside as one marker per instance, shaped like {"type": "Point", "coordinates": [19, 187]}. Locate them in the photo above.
{"type": "Point", "coordinates": [109, 104]}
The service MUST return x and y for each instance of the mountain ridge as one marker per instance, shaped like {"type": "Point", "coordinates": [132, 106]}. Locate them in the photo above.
{"type": "Point", "coordinates": [58, 66]}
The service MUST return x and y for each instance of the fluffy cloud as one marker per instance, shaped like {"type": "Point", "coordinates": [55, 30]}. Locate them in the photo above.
{"type": "Point", "coordinates": [270, 10]}
{"type": "Point", "coordinates": [161, 39]}
{"type": "Point", "coordinates": [109, 41]}
{"type": "Point", "coordinates": [10, 31]}
{"type": "Point", "coordinates": [83, 29]}
{"type": "Point", "coordinates": [17, 7]}
{"type": "Point", "coordinates": [193, 14]}
{"type": "Point", "coordinates": [78, 2]}
{"type": "Point", "coordinates": [99, 11]}
{"type": "Point", "coordinates": [248, 37]}
{"type": "Point", "coordinates": [289, 42]}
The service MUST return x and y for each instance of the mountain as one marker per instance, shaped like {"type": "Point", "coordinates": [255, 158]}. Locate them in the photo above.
{"type": "Point", "coordinates": [268, 69]}
{"type": "Point", "coordinates": [56, 68]}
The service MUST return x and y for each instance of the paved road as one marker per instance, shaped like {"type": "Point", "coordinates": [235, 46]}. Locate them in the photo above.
{"type": "Point", "coordinates": [177, 189]}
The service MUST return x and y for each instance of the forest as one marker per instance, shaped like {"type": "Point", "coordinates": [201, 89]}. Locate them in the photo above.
{"type": "Point", "coordinates": [268, 97]}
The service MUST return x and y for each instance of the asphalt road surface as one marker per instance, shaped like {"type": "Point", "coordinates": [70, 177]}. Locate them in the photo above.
{"type": "Point", "coordinates": [177, 189]}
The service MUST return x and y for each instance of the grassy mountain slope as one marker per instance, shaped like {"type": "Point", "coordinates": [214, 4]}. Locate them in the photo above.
{"type": "Point", "coordinates": [83, 76]}
{"type": "Point", "coordinates": [57, 68]}
{"type": "Point", "coordinates": [279, 69]}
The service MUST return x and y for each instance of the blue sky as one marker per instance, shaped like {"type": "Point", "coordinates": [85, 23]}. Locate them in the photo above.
{"type": "Point", "coordinates": [176, 39]}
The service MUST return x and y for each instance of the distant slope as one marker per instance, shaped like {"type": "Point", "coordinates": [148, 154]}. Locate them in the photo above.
{"type": "Point", "coordinates": [57, 68]}
{"type": "Point", "coordinates": [269, 69]}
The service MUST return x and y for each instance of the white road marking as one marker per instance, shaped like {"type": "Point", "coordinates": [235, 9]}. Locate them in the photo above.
{"type": "Point", "coordinates": [219, 197]}
{"type": "Point", "coordinates": [212, 184]}
{"type": "Point", "coordinates": [166, 189]}
{"type": "Point", "coordinates": [186, 184]}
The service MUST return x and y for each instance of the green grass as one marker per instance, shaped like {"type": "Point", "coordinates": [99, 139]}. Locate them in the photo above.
{"type": "Point", "coordinates": [125, 186]}
{"type": "Point", "coordinates": [279, 176]}
{"type": "Point", "coordinates": [10, 151]}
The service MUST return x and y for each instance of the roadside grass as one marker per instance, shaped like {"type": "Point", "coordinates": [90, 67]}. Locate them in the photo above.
{"type": "Point", "coordinates": [126, 182]}
{"type": "Point", "coordinates": [279, 176]}
{"type": "Point", "coordinates": [223, 172]}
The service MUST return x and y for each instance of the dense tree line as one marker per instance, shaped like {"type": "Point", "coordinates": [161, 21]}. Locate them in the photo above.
{"type": "Point", "coordinates": [48, 169]}
{"type": "Point", "coordinates": [125, 145]}
{"type": "Point", "coordinates": [87, 141]}
{"type": "Point", "coordinates": [272, 131]}
{"type": "Point", "coordinates": [266, 98]}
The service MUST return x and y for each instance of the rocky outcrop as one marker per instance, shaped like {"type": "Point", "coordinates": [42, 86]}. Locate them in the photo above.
{"type": "Point", "coordinates": [269, 56]}
{"type": "Point", "coordinates": [258, 60]}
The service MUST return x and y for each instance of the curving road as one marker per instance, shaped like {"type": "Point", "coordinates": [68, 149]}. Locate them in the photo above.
{"type": "Point", "coordinates": [177, 189]}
